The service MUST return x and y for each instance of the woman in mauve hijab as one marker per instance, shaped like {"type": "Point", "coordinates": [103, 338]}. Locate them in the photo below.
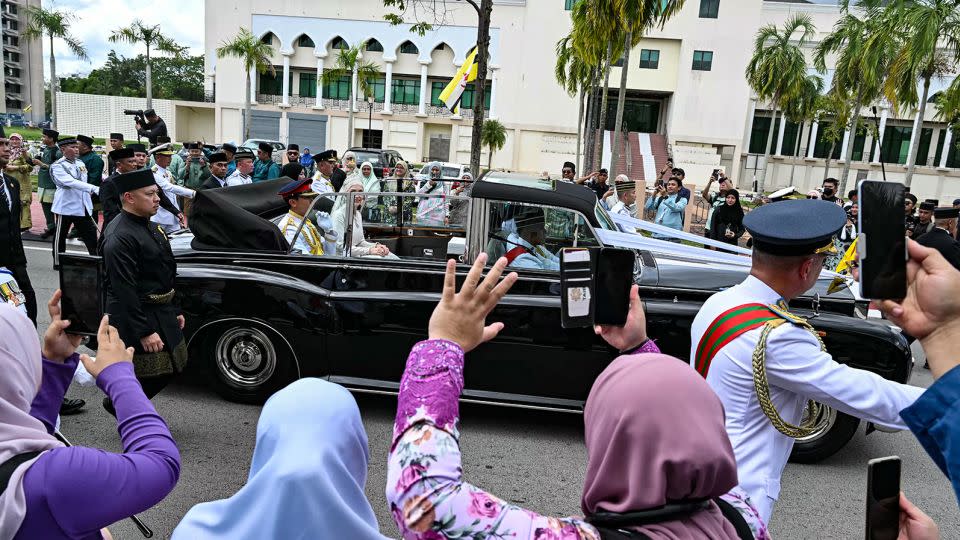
{"type": "Point", "coordinates": [57, 492]}
{"type": "Point", "coordinates": [654, 435]}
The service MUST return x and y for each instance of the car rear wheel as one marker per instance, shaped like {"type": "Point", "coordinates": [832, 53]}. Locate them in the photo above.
{"type": "Point", "coordinates": [248, 362]}
{"type": "Point", "coordinates": [837, 430]}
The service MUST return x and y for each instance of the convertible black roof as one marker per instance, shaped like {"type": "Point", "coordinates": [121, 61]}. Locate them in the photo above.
{"type": "Point", "coordinates": [237, 218]}
{"type": "Point", "coordinates": [524, 188]}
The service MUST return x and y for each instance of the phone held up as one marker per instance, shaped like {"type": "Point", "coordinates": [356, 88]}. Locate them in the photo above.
{"type": "Point", "coordinates": [883, 498]}
{"type": "Point", "coordinates": [595, 286]}
{"type": "Point", "coordinates": [882, 245]}
{"type": "Point", "coordinates": [81, 300]}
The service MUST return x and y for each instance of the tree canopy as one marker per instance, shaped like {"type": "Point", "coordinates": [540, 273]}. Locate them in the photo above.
{"type": "Point", "coordinates": [174, 78]}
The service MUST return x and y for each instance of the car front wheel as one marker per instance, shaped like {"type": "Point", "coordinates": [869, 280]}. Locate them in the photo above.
{"type": "Point", "coordinates": [837, 430]}
{"type": "Point", "coordinates": [248, 362]}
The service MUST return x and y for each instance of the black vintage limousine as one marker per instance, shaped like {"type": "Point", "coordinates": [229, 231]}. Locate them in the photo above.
{"type": "Point", "coordinates": [259, 315]}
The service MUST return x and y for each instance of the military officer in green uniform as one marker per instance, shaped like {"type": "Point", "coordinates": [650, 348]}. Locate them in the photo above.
{"type": "Point", "coordinates": [46, 189]}
{"type": "Point", "coordinates": [94, 164]}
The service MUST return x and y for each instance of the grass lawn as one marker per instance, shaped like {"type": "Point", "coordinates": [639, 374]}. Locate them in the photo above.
{"type": "Point", "coordinates": [34, 134]}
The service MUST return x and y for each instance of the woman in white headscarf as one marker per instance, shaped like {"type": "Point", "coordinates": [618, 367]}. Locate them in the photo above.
{"type": "Point", "coordinates": [345, 203]}
{"type": "Point", "coordinates": [350, 165]}
{"type": "Point", "coordinates": [433, 210]}
{"type": "Point", "coordinates": [371, 184]}
{"type": "Point", "coordinates": [307, 477]}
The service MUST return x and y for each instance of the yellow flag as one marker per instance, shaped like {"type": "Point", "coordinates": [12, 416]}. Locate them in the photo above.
{"type": "Point", "coordinates": [466, 74]}
{"type": "Point", "coordinates": [28, 108]}
{"type": "Point", "coordinates": [843, 267]}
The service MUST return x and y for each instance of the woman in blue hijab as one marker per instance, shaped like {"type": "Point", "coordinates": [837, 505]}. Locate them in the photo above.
{"type": "Point", "coordinates": [307, 477]}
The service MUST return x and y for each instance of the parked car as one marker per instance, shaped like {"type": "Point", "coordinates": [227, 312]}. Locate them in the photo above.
{"type": "Point", "coordinates": [383, 161]}
{"type": "Point", "coordinates": [278, 147]}
{"type": "Point", "coordinates": [15, 120]}
{"type": "Point", "coordinates": [447, 170]}
{"type": "Point", "coordinates": [260, 316]}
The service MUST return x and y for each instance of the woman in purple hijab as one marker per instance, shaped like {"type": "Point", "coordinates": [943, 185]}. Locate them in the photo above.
{"type": "Point", "coordinates": [53, 492]}
{"type": "Point", "coordinates": [654, 435]}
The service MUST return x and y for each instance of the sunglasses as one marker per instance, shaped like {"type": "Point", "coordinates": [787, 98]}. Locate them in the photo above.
{"type": "Point", "coordinates": [291, 152]}
{"type": "Point", "coordinates": [567, 171]}
{"type": "Point", "coordinates": [812, 197]}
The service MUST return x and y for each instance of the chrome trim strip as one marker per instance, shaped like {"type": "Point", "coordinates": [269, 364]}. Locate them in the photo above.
{"type": "Point", "coordinates": [293, 353]}
{"type": "Point", "coordinates": [475, 401]}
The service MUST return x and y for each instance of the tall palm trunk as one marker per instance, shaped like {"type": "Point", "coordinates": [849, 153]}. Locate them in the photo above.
{"type": "Point", "coordinates": [826, 168]}
{"type": "Point", "coordinates": [350, 106]}
{"type": "Point", "coordinates": [914, 148]}
{"type": "Point", "coordinates": [621, 100]}
{"type": "Point", "coordinates": [589, 133]}
{"type": "Point", "coordinates": [848, 151]}
{"type": "Point", "coordinates": [53, 87]}
{"type": "Point", "coordinates": [579, 126]}
{"type": "Point", "coordinates": [766, 149]}
{"type": "Point", "coordinates": [489, 157]}
{"type": "Point", "coordinates": [149, 82]}
{"type": "Point", "coordinates": [247, 107]}
{"type": "Point", "coordinates": [602, 124]}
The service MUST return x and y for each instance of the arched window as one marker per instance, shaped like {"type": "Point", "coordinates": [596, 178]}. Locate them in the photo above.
{"type": "Point", "coordinates": [268, 39]}
{"type": "Point", "coordinates": [407, 47]}
{"type": "Point", "coordinates": [439, 47]}
{"type": "Point", "coordinates": [339, 43]}
{"type": "Point", "coordinates": [305, 41]}
{"type": "Point", "coordinates": [374, 46]}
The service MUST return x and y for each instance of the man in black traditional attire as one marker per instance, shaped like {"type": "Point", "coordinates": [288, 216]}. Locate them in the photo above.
{"type": "Point", "coordinates": [941, 237]}
{"type": "Point", "coordinates": [140, 273]}
{"type": "Point", "coordinates": [125, 160]}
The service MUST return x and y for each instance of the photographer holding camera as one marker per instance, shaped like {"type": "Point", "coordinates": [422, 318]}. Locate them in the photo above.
{"type": "Point", "coordinates": [150, 125]}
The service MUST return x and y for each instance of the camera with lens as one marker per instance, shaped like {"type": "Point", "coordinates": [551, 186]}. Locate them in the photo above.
{"type": "Point", "coordinates": [137, 115]}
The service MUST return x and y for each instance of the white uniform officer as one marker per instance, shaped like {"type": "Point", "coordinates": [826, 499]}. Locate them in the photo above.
{"type": "Point", "coordinates": [72, 203]}
{"type": "Point", "coordinates": [243, 174]}
{"type": "Point", "coordinates": [791, 241]}
{"type": "Point", "coordinates": [162, 155]}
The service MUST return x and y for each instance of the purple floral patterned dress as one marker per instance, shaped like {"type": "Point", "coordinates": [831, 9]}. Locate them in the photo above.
{"type": "Point", "coordinates": [428, 497]}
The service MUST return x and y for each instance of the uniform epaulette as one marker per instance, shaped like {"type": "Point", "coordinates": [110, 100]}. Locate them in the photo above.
{"type": "Point", "coordinates": [154, 168]}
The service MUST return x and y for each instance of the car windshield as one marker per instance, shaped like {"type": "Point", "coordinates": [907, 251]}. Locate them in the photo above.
{"type": "Point", "coordinates": [606, 222]}
{"type": "Point", "coordinates": [372, 157]}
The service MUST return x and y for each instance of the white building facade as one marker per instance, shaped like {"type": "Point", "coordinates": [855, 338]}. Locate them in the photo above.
{"type": "Point", "coordinates": [687, 95]}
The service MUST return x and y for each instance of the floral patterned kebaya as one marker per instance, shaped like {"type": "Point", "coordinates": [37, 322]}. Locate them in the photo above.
{"type": "Point", "coordinates": [428, 496]}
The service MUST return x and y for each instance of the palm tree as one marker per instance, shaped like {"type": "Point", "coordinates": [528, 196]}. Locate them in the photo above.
{"type": "Point", "coordinates": [863, 48]}
{"type": "Point", "coordinates": [778, 69]}
{"type": "Point", "coordinates": [948, 105]}
{"type": "Point", "coordinates": [152, 38]}
{"type": "Point", "coordinates": [493, 136]}
{"type": "Point", "coordinates": [838, 107]}
{"type": "Point", "coordinates": [930, 48]}
{"type": "Point", "coordinates": [53, 23]}
{"type": "Point", "coordinates": [350, 62]}
{"type": "Point", "coordinates": [802, 106]}
{"type": "Point", "coordinates": [636, 16]}
{"type": "Point", "coordinates": [255, 55]}
{"type": "Point", "coordinates": [576, 77]}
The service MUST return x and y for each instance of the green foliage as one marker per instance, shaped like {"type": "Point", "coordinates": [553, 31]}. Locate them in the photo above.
{"type": "Point", "coordinates": [778, 67]}
{"type": "Point", "coordinates": [948, 105]}
{"type": "Point", "coordinates": [349, 60]}
{"type": "Point", "coordinates": [493, 135]}
{"type": "Point", "coordinates": [254, 53]}
{"type": "Point", "coordinates": [174, 78]}
{"type": "Point", "coordinates": [150, 36]}
{"type": "Point", "coordinates": [53, 23]}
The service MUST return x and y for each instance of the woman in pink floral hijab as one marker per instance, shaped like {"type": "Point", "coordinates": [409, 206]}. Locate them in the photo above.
{"type": "Point", "coordinates": [654, 433]}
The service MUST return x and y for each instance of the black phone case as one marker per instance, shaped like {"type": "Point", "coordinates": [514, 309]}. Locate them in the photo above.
{"type": "Point", "coordinates": [575, 279]}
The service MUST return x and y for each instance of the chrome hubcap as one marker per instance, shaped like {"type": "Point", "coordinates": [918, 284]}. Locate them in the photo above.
{"type": "Point", "coordinates": [827, 417]}
{"type": "Point", "coordinates": [245, 358]}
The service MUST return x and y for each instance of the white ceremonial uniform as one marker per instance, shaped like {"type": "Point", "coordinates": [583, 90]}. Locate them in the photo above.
{"type": "Point", "coordinates": [309, 241]}
{"type": "Point", "coordinates": [797, 370]}
{"type": "Point", "coordinates": [164, 180]}
{"type": "Point", "coordinates": [624, 209]}
{"type": "Point", "coordinates": [239, 179]}
{"type": "Point", "coordinates": [537, 258]}
{"type": "Point", "coordinates": [321, 184]}
{"type": "Point", "coordinates": [73, 192]}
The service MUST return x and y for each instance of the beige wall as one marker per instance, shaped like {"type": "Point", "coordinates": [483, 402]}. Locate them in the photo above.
{"type": "Point", "coordinates": [195, 123]}
{"type": "Point", "coordinates": [662, 79]}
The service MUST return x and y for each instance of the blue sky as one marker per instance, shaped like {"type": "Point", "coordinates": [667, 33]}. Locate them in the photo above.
{"type": "Point", "coordinates": [95, 19]}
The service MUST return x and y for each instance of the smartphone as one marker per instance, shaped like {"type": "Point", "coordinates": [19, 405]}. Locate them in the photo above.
{"type": "Point", "coordinates": [614, 277]}
{"type": "Point", "coordinates": [81, 300]}
{"type": "Point", "coordinates": [883, 498]}
{"type": "Point", "coordinates": [882, 246]}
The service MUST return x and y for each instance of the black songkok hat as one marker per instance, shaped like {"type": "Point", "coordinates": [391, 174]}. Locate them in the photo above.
{"type": "Point", "coordinates": [946, 212]}
{"type": "Point", "coordinates": [529, 217]}
{"type": "Point", "coordinates": [122, 153]}
{"type": "Point", "coordinates": [67, 140]}
{"type": "Point", "coordinates": [133, 180]}
{"type": "Point", "coordinates": [228, 147]}
{"type": "Point", "coordinates": [569, 165]}
{"type": "Point", "coordinates": [243, 153]}
{"type": "Point", "coordinates": [191, 145]}
{"type": "Point", "coordinates": [910, 196]}
{"type": "Point", "coordinates": [265, 147]}
{"type": "Point", "coordinates": [795, 227]}
{"type": "Point", "coordinates": [138, 147]}
{"type": "Point", "coordinates": [928, 206]}
{"type": "Point", "coordinates": [162, 139]}
{"type": "Point", "coordinates": [217, 157]}
{"type": "Point", "coordinates": [116, 136]}
{"type": "Point", "coordinates": [84, 139]}
{"type": "Point", "coordinates": [52, 133]}
{"type": "Point", "coordinates": [293, 147]}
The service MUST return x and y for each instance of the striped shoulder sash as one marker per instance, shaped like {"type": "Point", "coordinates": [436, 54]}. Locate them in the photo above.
{"type": "Point", "coordinates": [727, 327]}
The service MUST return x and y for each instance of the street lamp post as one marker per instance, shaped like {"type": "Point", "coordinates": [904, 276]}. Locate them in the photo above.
{"type": "Point", "coordinates": [370, 100]}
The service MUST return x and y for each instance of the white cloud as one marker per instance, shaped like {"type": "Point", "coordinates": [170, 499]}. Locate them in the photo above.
{"type": "Point", "coordinates": [180, 20]}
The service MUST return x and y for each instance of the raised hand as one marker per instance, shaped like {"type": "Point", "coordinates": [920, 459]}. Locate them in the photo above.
{"type": "Point", "coordinates": [460, 317]}
{"type": "Point", "coordinates": [110, 350]}
{"type": "Point", "coordinates": [57, 343]}
{"type": "Point", "coordinates": [633, 332]}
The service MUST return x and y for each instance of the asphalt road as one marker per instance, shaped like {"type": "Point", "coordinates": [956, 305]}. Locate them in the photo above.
{"type": "Point", "coordinates": [531, 458]}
